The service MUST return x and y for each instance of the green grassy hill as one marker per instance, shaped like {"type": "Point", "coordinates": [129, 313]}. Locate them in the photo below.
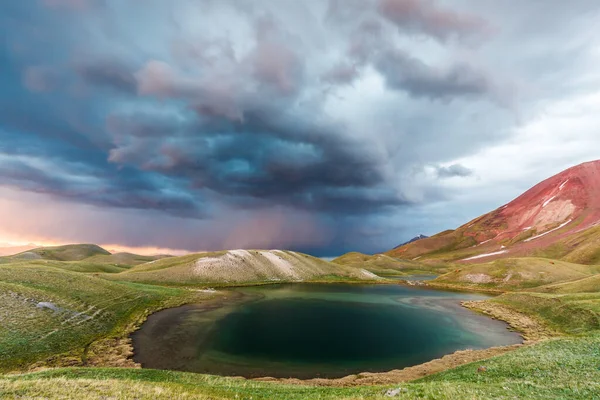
{"type": "Point", "coordinates": [122, 259]}
{"type": "Point", "coordinates": [515, 274]}
{"type": "Point", "coordinates": [382, 264]}
{"type": "Point", "coordinates": [86, 258]}
{"type": "Point", "coordinates": [240, 267]}
{"type": "Point", "coordinates": [589, 284]}
{"type": "Point", "coordinates": [71, 252]}
{"type": "Point", "coordinates": [74, 266]}
{"type": "Point", "coordinates": [47, 311]}
{"type": "Point", "coordinates": [582, 247]}
{"type": "Point", "coordinates": [573, 314]}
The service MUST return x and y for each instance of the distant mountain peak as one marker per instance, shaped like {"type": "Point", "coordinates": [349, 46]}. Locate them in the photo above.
{"type": "Point", "coordinates": [418, 237]}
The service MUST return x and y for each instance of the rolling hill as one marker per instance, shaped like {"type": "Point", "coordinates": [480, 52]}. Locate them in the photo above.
{"type": "Point", "coordinates": [86, 258]}
{"type": "Point", "coordinates": [558, 218]}
{"type": "Point", "coordinates": [515, 274]}
{"type": "Point", "coordinates": [70, 252]}
{"type": "Point", "coordinates": [240, 267]}
{"type": "Point", "coordinates": [122, 259]}
{"type": "Point", "coordinates": [382, 264]}
{"type": "Point", "coordinates": [590, 284]}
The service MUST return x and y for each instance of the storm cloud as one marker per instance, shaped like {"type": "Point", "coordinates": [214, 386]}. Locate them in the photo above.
{"type": "Point", "coordinates": [354, 115]}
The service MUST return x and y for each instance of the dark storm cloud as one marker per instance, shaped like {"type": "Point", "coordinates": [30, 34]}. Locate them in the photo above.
{"type": "Point", "coordinates": [102, 188]}
{"type": "Point", "coordinates": [320, 108]}
{"type": "Point", "coordinates": [420, 80]}
{"type": "Point", "coordinates": [108, 73]}
{"type": "Point", "coordinates": [266, 159]}
{"type": "Point", "coordinates": [454, 170]}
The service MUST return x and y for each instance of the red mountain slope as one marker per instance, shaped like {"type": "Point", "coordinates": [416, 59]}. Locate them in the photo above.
{"type": "Point", "coordinates": [551, 214]}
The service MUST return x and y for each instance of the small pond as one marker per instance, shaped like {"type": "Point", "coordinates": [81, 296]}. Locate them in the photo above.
{"type": "Point", "coordinates": [316, 330]}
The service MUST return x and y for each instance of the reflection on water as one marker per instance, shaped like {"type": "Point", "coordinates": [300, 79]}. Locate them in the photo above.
{"type": "Point", "coordinates": [309, 330]}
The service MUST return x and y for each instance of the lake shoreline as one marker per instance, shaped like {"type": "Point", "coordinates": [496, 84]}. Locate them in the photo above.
{"type": "Point", "coordinates": [417, 371]}
{"type": "Point", "coordinates": [529, 329]}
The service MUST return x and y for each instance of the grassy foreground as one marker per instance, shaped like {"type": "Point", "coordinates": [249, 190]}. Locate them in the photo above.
{"type": "Point", "coordinates": [47, 311]}
{"type": "Point", "coordinates": [64, 313]}
{"type": "Point", "coordinates": [558, 369]}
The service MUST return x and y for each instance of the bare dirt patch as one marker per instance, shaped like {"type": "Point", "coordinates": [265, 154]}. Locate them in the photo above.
{"type": "Point", "coordinates": [403, 375]}
{"type": "Point", "coordinates": [530, 329]}
{"type": "Point", "coordinates": [478, 278]}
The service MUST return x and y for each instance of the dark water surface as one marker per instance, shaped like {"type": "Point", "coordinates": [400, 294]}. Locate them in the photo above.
{"type": "Point", "coordinates": [310, 330]}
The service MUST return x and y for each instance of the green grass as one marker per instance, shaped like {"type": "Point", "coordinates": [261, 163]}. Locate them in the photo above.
{"type": "Point", "coordinates": [516, 274]}
{"type": "Point", "coordinates": [71, 252]}
{"type": "Point", "coordinates": [589, 284]}
{"type": "Point", "coordinates": [123, 260]}
{"type": "Point", "coordinates": [570, 314]}
{"type": "Point", "coordinates": [87, 258]}
{"type": "Point", "coordinates": [383, 265]}
{"type": "Point", "coordinates": [583, 248]}
{"type": "Point", "coordinates": [566, 368]}
{"type": "Point", "coordinates": [74, 266]}
{"type": "Point", "coordinates": [86, 308]}
{"type": "Point", "coordinates": [91, 308]}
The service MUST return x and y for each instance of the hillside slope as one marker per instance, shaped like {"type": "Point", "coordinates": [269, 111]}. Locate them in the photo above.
{"type": "Point", "coordinates": [590, 284]}
{"type": "Point", "coordinates": [382, 264]}
{"type": "Point", "coordinates": [515, 274]}
{"type": "Point", "coordinates": [240, 266]}
{"type": "Point", "coordinates": [45, 311]}
{"type": "Point", "coordinates": [122, 259]}
{"type": "Point", "coordinates": [86, 258]}
{"type": "Point", "coordinates": [558, 218]}
{"type": "Point", "coordinates": [70, 252]}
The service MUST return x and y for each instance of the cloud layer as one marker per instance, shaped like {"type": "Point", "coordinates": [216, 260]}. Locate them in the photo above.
{"type": "Point", "coordinates": [320, 125]}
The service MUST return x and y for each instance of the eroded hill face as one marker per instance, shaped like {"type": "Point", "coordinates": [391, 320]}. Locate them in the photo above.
{"type": "Point", "coordinates": [562, 207]}
{"type": "Point", "coordinates": [241, 266]}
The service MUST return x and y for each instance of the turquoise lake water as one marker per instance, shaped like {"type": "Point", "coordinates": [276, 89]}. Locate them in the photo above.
{"type": "Point", "coordinates": [316, 330]}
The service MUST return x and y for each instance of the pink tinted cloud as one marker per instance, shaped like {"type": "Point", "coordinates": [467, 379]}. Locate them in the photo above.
{"type": "Point", "coordinates": [156, 78]}
{"type": "Point", "coordinates": [426, 17]}
{"type": "Point", "coordinates": [215, 94]}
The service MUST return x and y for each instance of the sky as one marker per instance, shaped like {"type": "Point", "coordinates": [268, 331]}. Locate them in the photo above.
{"type": "Point", "coordinates": [322, 126]}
